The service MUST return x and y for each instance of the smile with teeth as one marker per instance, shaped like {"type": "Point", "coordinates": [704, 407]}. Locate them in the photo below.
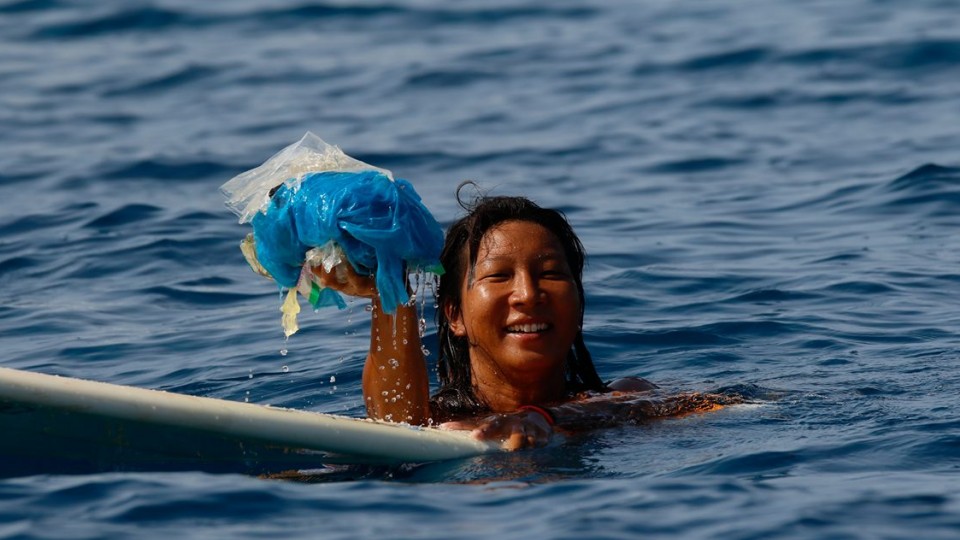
{"type": "Point", "coordinates": [528, 328]}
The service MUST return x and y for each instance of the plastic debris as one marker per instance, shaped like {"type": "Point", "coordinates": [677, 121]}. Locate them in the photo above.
{"type": "Point", "coordinates": [249, 192]}
{"type": "Point", "coordinates": [311, 206]}
{"type": "Point", "coordinates": [290, 309]}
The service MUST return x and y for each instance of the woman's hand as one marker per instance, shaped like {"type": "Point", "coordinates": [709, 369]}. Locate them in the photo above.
{"type": "Point", "coordinates": [514, 431]}
{"type": "Point", "coordinates": [344, 278]}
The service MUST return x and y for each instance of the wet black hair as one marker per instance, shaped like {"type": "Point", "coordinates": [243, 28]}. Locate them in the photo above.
{"type": "Point", "coordinates": [456, 396]}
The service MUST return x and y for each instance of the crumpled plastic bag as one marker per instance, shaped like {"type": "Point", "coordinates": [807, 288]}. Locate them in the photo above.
{"type": "Point", "coordinates": [311, 197]}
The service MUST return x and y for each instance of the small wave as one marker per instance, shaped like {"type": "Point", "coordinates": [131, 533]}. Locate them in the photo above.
{"type": "Point", "coordinates": [805, 97]}
{"type": "Point", "coordinates": [750, 329]}
{"type": "Point", "coordinates": [316, 10]}
{"type": "Point", "coordinates": [29, 5]}
{"type": "Point", "coordinates": [908, 56]}
{"type": "Point", "coordinates": [181, 77]}
{"type": "Point", "coordinates": [7, 179]}
{"type": "Point", "coordinates": [768, 463]}
{"type": "Point", "coordinates": [664, 338]}
{"type": "Point", "coordinates": [198, 250]}
{"type": "Point", "coordinates": [161, 170]}
{"type": "Point", "coordinates": [36, 222]}
{"type": "Point", "coordinates": [741, 57]}
{"type": "Point", "coordinates": [934, 188]}
{"type": "Point", "coordinates": [449, 78]}
{"type": "Point", "coordinates": [841, 258]}
{"type": "Point", "coordinates": [771, 296]}
{"type": "Point", "coordinates": [860, 287]}
{"type": "Point", "coordinates": [109, 351]}
{"type": "Point", "coordinates": [193, 297]}
{"type": "Point", "coordinates": [145, 19]}
{"type": "Point", "coordinates": [324, 11]}
{"type": "Point", "coordinates": [16, 264]}
{"type": "Point", "coordinates": [125, 215]}
{"type": "Point", "coordinates": [929, 190]}
{"type": "Point", "coordinates": [688, 283]}
{"type": "Point", "coordinates": [158, 20]}
{"type": "Point", "coordinates": [929, 176]}
{"type": "Point", "coordinates": [701, 164]}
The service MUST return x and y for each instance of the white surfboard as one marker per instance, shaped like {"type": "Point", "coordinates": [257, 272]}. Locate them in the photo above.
{"type": "Point", "coordinates": [46, 419]}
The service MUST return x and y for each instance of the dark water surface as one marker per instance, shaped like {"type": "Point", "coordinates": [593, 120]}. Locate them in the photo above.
{"type": "Point", "coordinates": [769, 193]}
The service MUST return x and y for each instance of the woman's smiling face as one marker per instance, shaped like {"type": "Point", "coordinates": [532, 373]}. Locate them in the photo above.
{"type": "Point", "coordinates": [520, 307]}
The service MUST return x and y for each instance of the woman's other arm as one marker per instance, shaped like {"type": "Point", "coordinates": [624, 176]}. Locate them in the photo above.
{"type": "Point", "coordinates": [529, 429]}
{"type": "Point", "coordinates": [619, 408]}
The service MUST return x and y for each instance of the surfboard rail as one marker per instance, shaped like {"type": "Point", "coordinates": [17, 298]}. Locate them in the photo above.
{"type": "Point", "coordinates": [327, 433]}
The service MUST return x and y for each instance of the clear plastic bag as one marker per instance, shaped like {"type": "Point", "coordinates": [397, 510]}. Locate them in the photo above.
{"type": "Point", "coordinates": [249, 192]}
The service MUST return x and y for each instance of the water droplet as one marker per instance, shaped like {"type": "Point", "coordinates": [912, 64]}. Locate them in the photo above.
{"type": "Point", "coordinates": [285, 369]}
{"type": "Point", "coordinates": [333, 379]}
{"type": "Point", "coordinates": [394, 363]}
{"type": "Point", "coordinates": [283, 351]}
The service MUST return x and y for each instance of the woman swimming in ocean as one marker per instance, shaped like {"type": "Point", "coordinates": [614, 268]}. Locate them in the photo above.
{"type": "Point", "coordinates": [512, 365]}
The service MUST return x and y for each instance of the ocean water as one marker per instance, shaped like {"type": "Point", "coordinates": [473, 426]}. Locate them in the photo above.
{"type": "Point", "coordinates": [769, 193]}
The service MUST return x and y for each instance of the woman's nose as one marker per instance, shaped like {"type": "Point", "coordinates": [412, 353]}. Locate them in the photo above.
{"type": "Point", "coordinates": [526, 289]}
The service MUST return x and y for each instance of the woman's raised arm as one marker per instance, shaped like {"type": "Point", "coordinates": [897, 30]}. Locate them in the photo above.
{"type": "Point", "coordinates": [395, 382]}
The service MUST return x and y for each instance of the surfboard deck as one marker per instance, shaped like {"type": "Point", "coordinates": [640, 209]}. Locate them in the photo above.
{"type": "Point", "coordinates": [53, 424]}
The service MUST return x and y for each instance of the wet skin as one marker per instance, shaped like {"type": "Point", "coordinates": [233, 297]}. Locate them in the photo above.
{"type": "Point", "coordinates": [520, 312]}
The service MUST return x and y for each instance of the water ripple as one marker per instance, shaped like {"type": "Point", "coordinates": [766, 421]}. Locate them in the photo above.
{"type": "Point", "coordinates": [185, 171]}
{"type": "Point", "coordinates": [143, 19]}
{"type": "Point", "coordinates": [126, 215]}
{"type": "Point", "coordinates": [171, 81]}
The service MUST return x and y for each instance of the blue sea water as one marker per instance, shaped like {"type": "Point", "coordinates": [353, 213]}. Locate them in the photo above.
{"type": "Point", "coordinates": [769, 193]}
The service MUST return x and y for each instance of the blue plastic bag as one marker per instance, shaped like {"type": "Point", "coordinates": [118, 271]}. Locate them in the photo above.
{"type": "Point", "coordinates": [380, 224]}
{"type": "Point", "coordinates": [312, 195]}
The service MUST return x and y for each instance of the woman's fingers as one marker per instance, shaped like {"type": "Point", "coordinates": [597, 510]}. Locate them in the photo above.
{"type": "Point", "coordinates": [458, 426]}
{"type": "Point", "coordinates": [512, 431]}
{"type": "Point", "coordinates": [345, 279]}
{"type": "Point", "coordinates": [516, 441]}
